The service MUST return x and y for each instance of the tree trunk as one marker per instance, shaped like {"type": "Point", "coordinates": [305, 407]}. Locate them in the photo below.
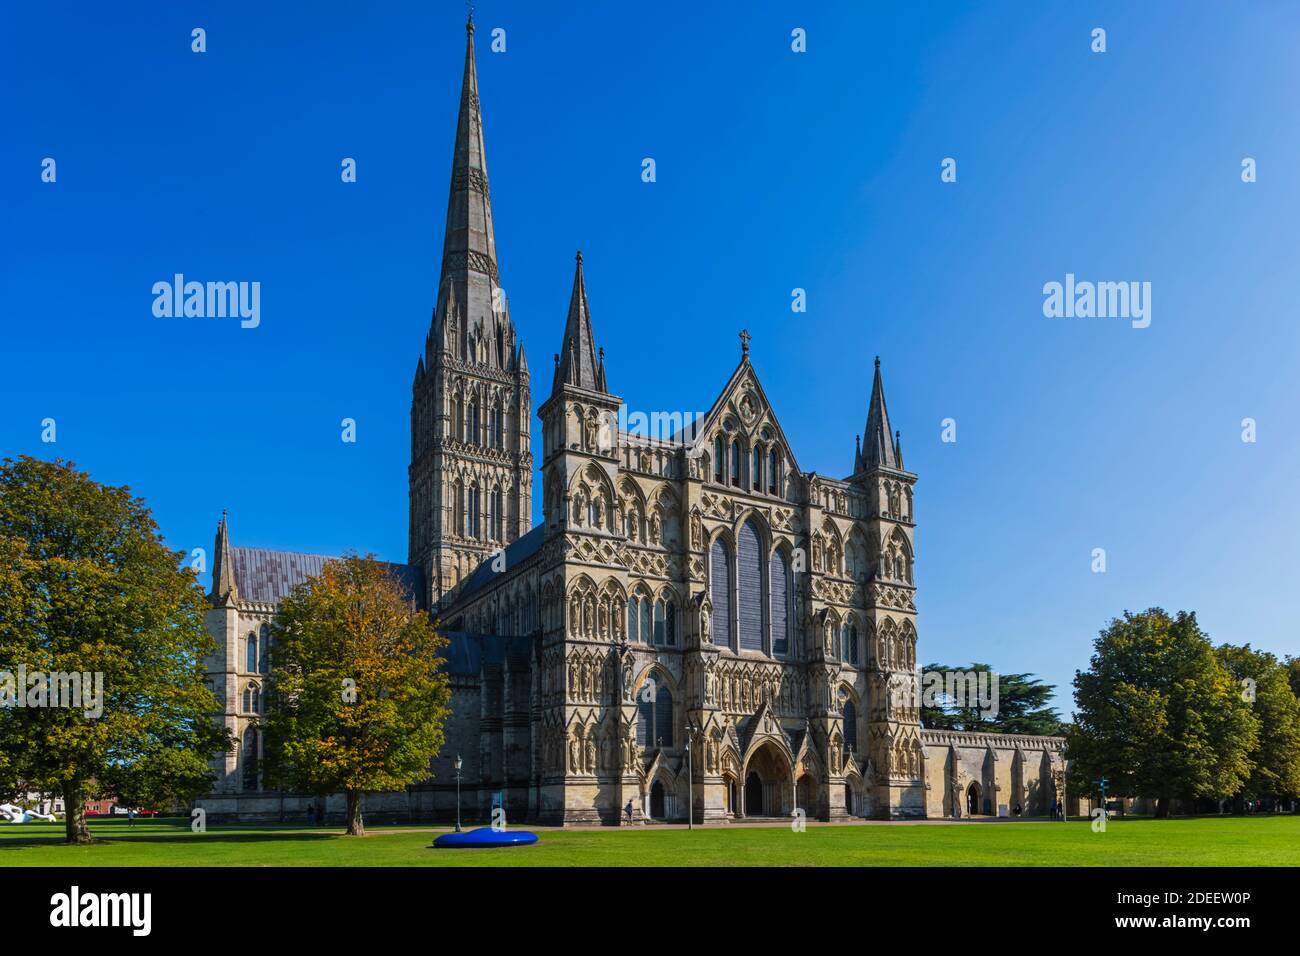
{"type": "Point", "coordinates": [355, 825]}
{"type": "Point", "coordinates": [1162, 807]}
{"type": "Point", "coordinates": [74, 816]}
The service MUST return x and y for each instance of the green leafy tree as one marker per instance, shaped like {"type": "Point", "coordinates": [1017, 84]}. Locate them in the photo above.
{"type": "Point", "coordinates": [1264, 685]}
{"type": "Point", "coordinates": [1293, 674]}
{"type": "Point", "coordinates": [1158, 714]}
{"type": "Point", "coordinates": [1023, 706]}
{"type": "Point", "coordinates": [356, 697]}
{"type": "Point", "coordinates": [89, 587]}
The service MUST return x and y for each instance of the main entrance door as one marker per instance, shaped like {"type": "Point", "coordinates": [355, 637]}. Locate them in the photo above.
{"type": "Point", "coordinates": [753, 796]}
{"type": "Point", "coordinates": [657, 801]}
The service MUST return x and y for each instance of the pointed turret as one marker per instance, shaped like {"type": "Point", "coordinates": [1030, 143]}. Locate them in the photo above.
{"type": "Point", "coordinates": [468, 288]}
{"type": "Point", "coordinates": [579, 362]}
{"type": "Point", "coordinates": [223, 567]}
{"type": "Point", "coordinates": [878, 449]}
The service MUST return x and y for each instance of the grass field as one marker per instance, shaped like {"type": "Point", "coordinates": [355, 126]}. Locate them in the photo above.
{"type": "Point", "coordinates": [1231, 841]}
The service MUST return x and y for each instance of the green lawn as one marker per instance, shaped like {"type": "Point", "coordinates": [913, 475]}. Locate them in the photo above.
{"type": "Point", "coordinates": [1252, 841]}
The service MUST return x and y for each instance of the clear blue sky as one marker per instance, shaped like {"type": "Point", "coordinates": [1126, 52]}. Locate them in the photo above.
{"type": "Point", "coordinates": [775, 170]}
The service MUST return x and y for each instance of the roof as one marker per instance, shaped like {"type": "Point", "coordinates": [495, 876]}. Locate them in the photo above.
{"type": "Point", "coordinates": [518, 551]}
{"type": "Point", "coordinates": [264, 576]}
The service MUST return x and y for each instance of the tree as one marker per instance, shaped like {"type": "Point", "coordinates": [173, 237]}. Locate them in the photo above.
{"type": "Point", "coordinates": [356, 698]}
{"type": "Point", "coordinates": [1022, 705]}
{"type": "Point", "coordinates": [108, 629]}
{"type": "Point", "coordinates": [1293, 674]}
{"type": "Point", "coordinates": [1158, 715]}
{"type": "Point", "coordinates": [1263, 683]}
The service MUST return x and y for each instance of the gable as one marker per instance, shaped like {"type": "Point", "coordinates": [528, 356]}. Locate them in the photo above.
{"type": "Point", "coordinates": [743, 408]}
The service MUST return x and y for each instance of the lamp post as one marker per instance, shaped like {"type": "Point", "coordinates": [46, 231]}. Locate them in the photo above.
{"type": "Point", "coordinates": [691, 733]}
{"type": "Point", "coordinates": [457, 765]}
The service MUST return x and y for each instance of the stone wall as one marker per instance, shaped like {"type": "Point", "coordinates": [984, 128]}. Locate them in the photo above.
{"type": "Point", "coordinates": [974, 774]}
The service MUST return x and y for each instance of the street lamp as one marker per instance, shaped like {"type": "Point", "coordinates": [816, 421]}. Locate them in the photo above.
{"type": "Point", "coordinates": [457, 765]}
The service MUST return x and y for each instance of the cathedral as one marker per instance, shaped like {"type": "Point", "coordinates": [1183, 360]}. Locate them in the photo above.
{"type": "Point", "coordinates": [698, 627]}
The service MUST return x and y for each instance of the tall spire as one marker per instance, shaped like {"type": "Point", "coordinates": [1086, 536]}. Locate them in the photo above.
{"type": "Point", "coordinates": [878, 448]}
{"type": "Point", "coordinates": [223, 566]}
{"type": "Point", "coordinates": [469, 255]}
{"type": "Point", "coordinates": [580, 364]}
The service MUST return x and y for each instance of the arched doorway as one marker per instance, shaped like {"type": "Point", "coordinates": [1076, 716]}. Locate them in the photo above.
{"type": "Point", "coordinates": [753, 795]}
{"type": "Point", "coordinates": [973, 800]}
{"type": "Point", "coordinates": [848, 799]}
{"type": "Point", "coordinates": [657, 801]}
{"type": "Point", "coordinates": [767, 789]}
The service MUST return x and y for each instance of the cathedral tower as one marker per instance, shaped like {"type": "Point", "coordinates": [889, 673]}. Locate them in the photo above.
{"type": "Point", "coordinates": [893, 718]}
{"type": "Point", "coordinates": [470, 479]}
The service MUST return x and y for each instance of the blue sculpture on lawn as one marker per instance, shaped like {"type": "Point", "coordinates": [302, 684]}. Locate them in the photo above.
{"type": "Point", "coordinates": [485, 837]}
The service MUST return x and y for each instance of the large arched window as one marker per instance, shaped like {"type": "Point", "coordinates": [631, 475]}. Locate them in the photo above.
{"type": "Point", "coordinates": [472, 513]}
{"type": "Point", "coordinates": [779, 584]}
{"type": "Point", "coordinates": [251, 655]}
{"type": "Point", "coordinates": [757, 476]}
{"type": "Point", "coordinates": [265, 641]}
{"type": "Point", "coordinates": [735, 462]}
{"type": "Point", "coordinates": [647, 624]}
{"type": "Point", "coordinates": [665, 625]}
{"type": "Point", "coordinates": [633, 610]}
{"type": "Point", "coordinates": [498, 428]}
{"type": "Point", "coordinates": [749, 577]}
{"type": "Point", "coordinates": [720, 592]}
{"type": "Point", "coordinates": [719, 460]}
{"type": "Point", "coordinates": [458, 496]}
{"type": "Point", "coordinates": [849, 642]}
{"type": "Point", "coordinates": [250, 759]}
{"type": "Point", "coordinates": [850, 727]}
{"type": "Point", "coordinates": [773, 472]}
{"type": "Point", "coordinates": [654, 717]}
{"type": "Point", "coordinates": [472, 426]}
{"type": "Point", "coordinates": [664, 717]}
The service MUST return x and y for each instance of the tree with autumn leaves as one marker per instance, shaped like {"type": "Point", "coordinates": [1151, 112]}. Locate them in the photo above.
{"type": "Point", "coordinates": [356, 697]}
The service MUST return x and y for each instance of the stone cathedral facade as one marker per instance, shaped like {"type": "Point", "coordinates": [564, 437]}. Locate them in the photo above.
{"type": "Point", "coordinates": [698, 624]}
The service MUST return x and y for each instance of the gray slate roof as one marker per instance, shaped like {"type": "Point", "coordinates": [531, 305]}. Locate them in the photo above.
{"type": "Point", "coordinates": [517, 552]}
{"type": "Point", "coordinates": [264, 576]}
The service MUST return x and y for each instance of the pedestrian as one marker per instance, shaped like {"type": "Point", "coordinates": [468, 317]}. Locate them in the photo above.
{"type": "Point", "coordinates": [130, 816]}
{"type": "Point", "coordinates": [628, 810]}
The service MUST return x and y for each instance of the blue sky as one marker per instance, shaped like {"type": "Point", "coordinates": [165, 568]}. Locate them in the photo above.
{"type": "Point", "coordinates": [775, 170]}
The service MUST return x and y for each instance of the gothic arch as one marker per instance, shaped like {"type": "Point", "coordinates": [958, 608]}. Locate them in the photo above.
{"type": "Point", "coordinates": [834, 544]}
{"type": "Point", "coordinates": [899, 556]}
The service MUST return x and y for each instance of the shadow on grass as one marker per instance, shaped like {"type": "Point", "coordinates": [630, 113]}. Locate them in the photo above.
{"type": "Point", "coordinates": [212, 836]}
